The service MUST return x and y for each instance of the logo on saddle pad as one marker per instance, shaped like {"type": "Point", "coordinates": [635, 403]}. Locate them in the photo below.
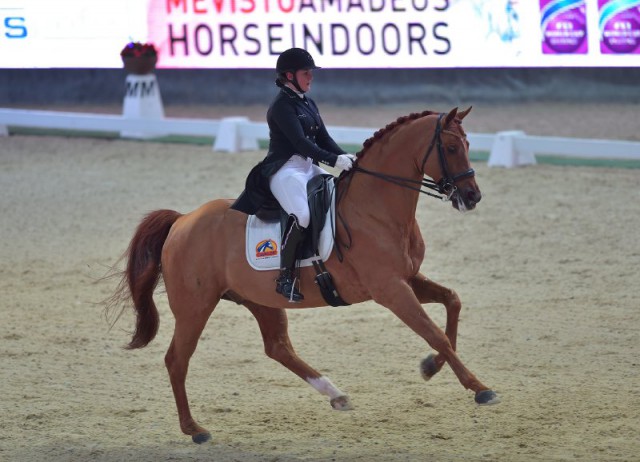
{"type": "Point", "coordinates": [266, 248]}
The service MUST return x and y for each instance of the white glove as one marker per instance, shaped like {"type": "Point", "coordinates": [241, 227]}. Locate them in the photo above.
{"type": "Point", "coordinates": [345, 162]}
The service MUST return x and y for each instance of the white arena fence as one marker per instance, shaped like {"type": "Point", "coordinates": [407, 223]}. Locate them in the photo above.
{"type": "Point", "coordinates": [235, 134]}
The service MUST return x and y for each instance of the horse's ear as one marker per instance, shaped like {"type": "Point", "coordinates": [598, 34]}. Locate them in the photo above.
{"type": "Point", "coordinates": [463, 114]}
{"type": "Point", "coordinates": [450, 116]}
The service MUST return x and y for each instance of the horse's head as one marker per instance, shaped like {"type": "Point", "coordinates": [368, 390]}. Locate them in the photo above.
{"type": "Point", "coordinates": [447, 162]}
{"type": "Point", "coordinates": [445, 159]}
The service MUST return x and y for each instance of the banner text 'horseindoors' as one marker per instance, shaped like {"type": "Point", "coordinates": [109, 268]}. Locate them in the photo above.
{"type": "Point", "coordinates": [195, 32]}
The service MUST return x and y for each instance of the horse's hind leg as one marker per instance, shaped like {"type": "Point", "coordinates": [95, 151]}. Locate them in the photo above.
{"type": "Point", "coordinates": [428, 291]}
{"type": "Point", "coordinates": [188, 327]}
{"type": "Point", "coordinates": [277, 345]}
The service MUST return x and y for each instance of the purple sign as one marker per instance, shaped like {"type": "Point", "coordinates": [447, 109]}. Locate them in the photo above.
{"type": "Point", "coordinates": [564, 26]}
{"type": "Point", "coordinates": [619, 25]}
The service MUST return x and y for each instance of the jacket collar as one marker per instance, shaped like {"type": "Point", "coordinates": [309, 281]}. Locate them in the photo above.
{"type": "Point", "coordinates": [292, 93]}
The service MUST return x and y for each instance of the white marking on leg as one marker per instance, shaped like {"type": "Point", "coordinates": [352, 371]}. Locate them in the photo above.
{"type": "Point", "coordinates": [323, 385]}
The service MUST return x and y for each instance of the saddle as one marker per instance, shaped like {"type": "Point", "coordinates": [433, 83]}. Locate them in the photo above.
{"type": "Point", "coordinates": [319, 194]}
{"type": "Point", "coordinates": [318, 241]}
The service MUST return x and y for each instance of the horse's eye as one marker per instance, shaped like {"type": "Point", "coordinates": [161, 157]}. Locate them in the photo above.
{"type": "Point", "coordinates": [452, 148]}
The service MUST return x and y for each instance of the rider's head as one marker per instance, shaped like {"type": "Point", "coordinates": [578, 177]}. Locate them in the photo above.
{"type": "Point", "coordinates": [290, 62]}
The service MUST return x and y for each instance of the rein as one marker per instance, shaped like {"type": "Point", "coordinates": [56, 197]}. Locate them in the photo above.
{"type": "Point", "coordinates": [445, 187]}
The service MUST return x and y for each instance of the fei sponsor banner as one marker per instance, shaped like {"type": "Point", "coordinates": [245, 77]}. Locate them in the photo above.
{"type": "Point", "coordinates": [338, 33]}
{"type": "Point", "coordinates": [564, 26]}
{"type": "Point", "coordinates": [619, 26]}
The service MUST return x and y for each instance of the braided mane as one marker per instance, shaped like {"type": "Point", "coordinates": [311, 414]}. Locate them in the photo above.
{"type": "Point", "coordinates": [383, 131]}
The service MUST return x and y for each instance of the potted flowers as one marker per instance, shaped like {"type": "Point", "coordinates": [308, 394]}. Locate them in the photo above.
{"type": "Point", "coordinates": [139, 58]}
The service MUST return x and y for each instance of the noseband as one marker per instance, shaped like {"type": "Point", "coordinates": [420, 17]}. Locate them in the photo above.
{"type": "Point", "coordinates": [445, 187]}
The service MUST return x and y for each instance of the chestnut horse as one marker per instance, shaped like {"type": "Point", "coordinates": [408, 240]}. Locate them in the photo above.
{"type": "Point", "coordinates": [378, 252]}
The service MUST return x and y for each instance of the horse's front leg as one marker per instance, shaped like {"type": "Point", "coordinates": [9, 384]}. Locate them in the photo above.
{"type": "Point", "coordinates": [399, 297]}
{"type": "Point", "coordinates": [427, 291]}
{"type": "Point", "coordinates": [274, 324]}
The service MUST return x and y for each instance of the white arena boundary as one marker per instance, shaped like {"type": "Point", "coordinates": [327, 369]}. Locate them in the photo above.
{"type": "Point", "coordinates": [234, 134]}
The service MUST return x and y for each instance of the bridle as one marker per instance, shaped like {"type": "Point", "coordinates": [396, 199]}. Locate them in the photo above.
{"type": "Point", "coordinates": [445, 187]}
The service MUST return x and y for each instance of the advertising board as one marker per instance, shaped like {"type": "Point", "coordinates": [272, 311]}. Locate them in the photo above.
{"type": "Point", "coordinates": [340, 34]}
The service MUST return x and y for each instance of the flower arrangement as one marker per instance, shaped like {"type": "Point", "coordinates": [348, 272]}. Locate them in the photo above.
{"type": "Point", "coordinates": [138, 49]}
{"type": "Point", "coordinates": [139, 58]}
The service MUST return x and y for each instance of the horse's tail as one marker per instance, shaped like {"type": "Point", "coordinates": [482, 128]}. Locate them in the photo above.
{"type": "Point", "coordinates": [142, 274]}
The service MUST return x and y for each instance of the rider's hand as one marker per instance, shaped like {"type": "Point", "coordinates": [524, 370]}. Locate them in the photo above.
{"type": "Point", "coordinates": [345, 162]}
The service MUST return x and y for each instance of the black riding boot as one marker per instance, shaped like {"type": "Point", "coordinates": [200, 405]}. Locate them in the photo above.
{"type": "Point", "coordinates": [291, 239]}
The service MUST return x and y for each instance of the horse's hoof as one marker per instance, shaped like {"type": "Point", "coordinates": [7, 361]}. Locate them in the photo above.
{"type": "Point", "coordinates": [428, 367]}
{"type": "Point", "coordinates": [341, 403]}
{"type": "Point", "coordinates": [200, 438]}
{"type": "Point", "coordinates": [486, 397]}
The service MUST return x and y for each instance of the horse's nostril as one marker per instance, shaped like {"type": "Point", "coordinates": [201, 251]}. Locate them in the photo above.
{"type": "Point", "coordinates": [474, 196]}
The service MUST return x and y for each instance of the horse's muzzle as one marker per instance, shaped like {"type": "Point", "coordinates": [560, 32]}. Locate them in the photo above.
{"type": "Point", "coordinates": [466, 199]}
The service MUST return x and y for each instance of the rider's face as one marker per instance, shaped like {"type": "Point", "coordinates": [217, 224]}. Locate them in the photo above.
{"type": "Point", "coordinates": [305, 77]}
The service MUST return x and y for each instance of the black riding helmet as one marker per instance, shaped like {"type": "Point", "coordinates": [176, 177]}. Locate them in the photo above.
{"type": "Point", "coordinates": [293, 60]}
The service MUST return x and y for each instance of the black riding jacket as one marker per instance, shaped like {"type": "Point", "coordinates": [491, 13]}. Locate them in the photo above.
{"type": "Point", "coordinates": [295, 127]}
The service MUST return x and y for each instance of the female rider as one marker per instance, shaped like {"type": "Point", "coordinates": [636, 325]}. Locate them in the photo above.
{"type": "Point", "coordinates": [298, 142]}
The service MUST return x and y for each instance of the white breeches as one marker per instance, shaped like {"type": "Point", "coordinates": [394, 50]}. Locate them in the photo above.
{"type": "Point", "coordinates": [289, 186]}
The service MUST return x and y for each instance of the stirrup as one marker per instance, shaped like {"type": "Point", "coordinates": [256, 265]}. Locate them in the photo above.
{"type": "Point", "coordinates": [286, 285]}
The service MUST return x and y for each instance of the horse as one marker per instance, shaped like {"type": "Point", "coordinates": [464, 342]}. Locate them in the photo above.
{"type": "Point", "coordinates": [378, 250]}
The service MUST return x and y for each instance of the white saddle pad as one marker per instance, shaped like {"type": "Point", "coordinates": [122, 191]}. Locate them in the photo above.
{"type": "Point", "coordinates": [263, 242]}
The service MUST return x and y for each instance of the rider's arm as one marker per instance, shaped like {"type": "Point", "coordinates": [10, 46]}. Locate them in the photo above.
{"type": "Point", "coordinates": [285, 117]}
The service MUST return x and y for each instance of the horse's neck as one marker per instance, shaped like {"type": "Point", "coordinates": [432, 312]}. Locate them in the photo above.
{"type": "Point", "coordinates": [382, 199]}
{"type": "Point", "coordinates": [396, 154]}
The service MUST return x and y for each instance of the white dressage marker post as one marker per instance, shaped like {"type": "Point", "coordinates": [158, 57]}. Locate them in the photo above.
{"type": "Point", "coordinates": [230, 137]}
{"type": "Point", "coordinates": [504, 152]}
{"type": "Point", "coordinates": [142, 101]}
